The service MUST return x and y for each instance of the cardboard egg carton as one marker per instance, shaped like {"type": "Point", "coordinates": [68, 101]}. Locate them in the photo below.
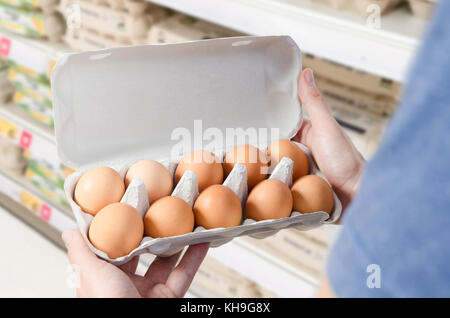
{"type": "Point", "coordinates": [372, 84]}
{"type": "Point", "coordinates": [235, 84]}
{"type": "Point", "coordinates": [126, 21]}
{"type": "Point", "coordinates": [215, 279]}
{"type": "Point", "coordinates": [422, 9]}
{"type": "Point", "coordinates": [182, 28]}
{"type": "Point", "coordinates": [294, 248]}
{"type": "Point", "coordinates": [187, 189]}
{"type": "Point", "coordinates": [11, 157]}
{"type": "Point", "coordinates": [46, 6]}
{"type": "Point", "coordinates": [32, 23]}
{"type": "Point", "coordinates": [40, 112]}
{"type": "Point", "coordinates": [88, 40]}
{"type": "Point", "coordinates": [38, 90]}
{"type": "Point", "coordinates": [6, 88]}
{"type": "Point", "coordinates": [365, 101]}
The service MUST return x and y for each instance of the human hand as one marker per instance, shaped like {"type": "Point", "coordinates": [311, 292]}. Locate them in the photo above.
{"type": "Point", "coordinates": [99, 278]}
{"type": "Point", "coordinates": [334, 153]}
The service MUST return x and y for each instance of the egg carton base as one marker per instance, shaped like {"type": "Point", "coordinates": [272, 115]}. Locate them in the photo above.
{"type": "Point", "coordinates": [187, 189]}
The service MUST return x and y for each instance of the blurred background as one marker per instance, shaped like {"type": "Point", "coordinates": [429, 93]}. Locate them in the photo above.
{"type": "Point", "coordinates": [360, 51]}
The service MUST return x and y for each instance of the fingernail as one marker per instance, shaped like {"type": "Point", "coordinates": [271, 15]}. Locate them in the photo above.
{"type": "Point", "coordinates": [67, 237]}
{"type": "Point", "coordinates": [309, 76]}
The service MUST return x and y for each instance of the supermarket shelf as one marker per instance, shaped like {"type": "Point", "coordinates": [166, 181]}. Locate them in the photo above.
{"type": "Point", "coordinates": [22, 193]}
{"type": "Point", "coordinates": [28, 133]}
{"type": "Point", "coordinates": [264, 270]}
{"type": "Point", "coordinates": [35, 54]}
{"type": "Point", "coordinates": [337, 35]}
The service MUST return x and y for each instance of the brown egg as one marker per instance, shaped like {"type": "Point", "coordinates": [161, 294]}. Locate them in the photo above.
{"type": "Point", "coordinates": [157, 179]}
{"type": "Point", "coordinates": [311, 193]}
{"type": "Point", "coordinates": [168, 216]}
{"type": "Point", "coordinates": [286, 148]}
{"type": "Point", "coordinates": [270, 199]}
{"type": "Point", "coordinates": [252, 158]}
{"type": "Point", "coordinates": [205, 165]}
{"type": "Point", "coordinates": [98, 188]}
{"type": "Point", "coordinates": [218, 206]}
{"type": "Point", "coordinates": [117, 229]}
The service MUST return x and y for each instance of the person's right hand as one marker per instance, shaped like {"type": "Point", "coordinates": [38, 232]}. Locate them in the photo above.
{"type": "Point", "coordinates": [334, 153]}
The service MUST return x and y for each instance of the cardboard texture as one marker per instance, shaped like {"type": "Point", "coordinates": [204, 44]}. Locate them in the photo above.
{"type": "Point", "coordinates": [364, 101]}
{"type": "Point", "coordinates": [217, 280]}
{"type": "Point", "coordinates": [126, 21]}
{"type": "Point", "coordinates": [208, 84]}
{"type": "Point", "coordinates": [182, 28]}
{"type": "Point", "coordinates": [354, 78]}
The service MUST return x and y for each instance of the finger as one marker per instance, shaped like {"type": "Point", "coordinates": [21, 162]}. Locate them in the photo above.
{"type": "Point", "coordinates": [181, 277]}
{"type": "Point", "coordinates": [312, 99]}
{"type": "Point", "coordinates": [130, 267]}
{"type": "Point", "coordinates": [77, 249]}
{"type": "Point", "coordinates": [303, 136]}
{"type": "Point", "coordinates": [160, 269]}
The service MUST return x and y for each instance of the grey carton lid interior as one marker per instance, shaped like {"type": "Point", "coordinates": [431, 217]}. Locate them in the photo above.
{"type": "Point", "coordinates": [127, 102]}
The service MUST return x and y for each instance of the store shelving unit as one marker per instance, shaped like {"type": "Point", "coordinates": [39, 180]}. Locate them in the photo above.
{"type": "Point", "coordinates": [29, 134]}
{"type": "Point", "coordinates": [18, 189]}
{"type": "Point", "coordinates": [340, 36]}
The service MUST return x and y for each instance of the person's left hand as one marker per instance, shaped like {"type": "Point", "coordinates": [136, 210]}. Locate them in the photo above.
{"type": "Point", "coordinates": [99, 278]}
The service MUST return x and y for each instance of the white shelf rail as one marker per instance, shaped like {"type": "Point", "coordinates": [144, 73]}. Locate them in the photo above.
{"type": "Point", "coordinates": [337, 35]}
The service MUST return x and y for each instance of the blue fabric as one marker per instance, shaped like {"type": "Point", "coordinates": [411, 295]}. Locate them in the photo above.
{"type": "Point", "coordinates": [400, 219]}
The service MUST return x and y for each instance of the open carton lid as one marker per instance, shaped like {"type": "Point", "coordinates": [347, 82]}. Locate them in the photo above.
{"type": "Point", "coordinates": [125, 103]}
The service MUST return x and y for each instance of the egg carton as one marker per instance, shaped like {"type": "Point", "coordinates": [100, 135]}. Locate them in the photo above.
{"type": "Point", "coordinates": [187, 189]}
{"type": "Point", "coordinates": [87, 40]}
{"type": "Point", "coordinates": [32, 23]}
{"type": "Point", "coordinates": [6, 88]}
{"type": "Point", "coordinates": [422, 9]}
{"type": "Point", "coordinates": [38, 111]}
{"type": "Point", "coordinates": [46, 6]}
{"type": "Point", "coordinates": [39, 91]}
{"type": "Point", "coordinates": [11, 157]}
{"type": "Point", "coordinates": [183, 28]}
{"type": "Point", "coordinates": [127, 21]}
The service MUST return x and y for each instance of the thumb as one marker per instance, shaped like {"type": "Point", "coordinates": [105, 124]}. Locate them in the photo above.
{"type": "Point", "coordinates": [77, 249]}
{"type": "Point", "coordinates": [312, 99]}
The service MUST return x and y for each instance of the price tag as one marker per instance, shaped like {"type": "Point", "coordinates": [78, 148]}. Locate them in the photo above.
{"type": "Point", "coordinates": [5, 46]}
{"type": "Point", "coordinates": [46, 212]}
{"type": "Point", "coordinates": [25, 139]}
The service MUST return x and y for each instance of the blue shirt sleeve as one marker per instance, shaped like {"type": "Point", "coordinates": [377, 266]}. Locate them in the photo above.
{"type": "Point", "coordinates": [396, 233]}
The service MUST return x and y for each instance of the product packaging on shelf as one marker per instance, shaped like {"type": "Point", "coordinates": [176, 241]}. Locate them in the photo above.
{"type": "Point", "coordinates": [218, 280]}
{"type": "Point", "coordinates": [422, 9]}
{"type": "Point", "coordinates": [46, 6]}
{"type": "Point", "coordinates": [40, 112]}
{"type": "Point", "coordinates": [182, 28]}
{"type": "Point", "coordinates": [236, 83]}
{"type": "Point", "coordinates": [38, 90]}
{"type": "Point", "coordinates": [126, 22]}
{"type": "Point", "coordinates": [6, 88]}
{"type": "Point", "coordinates": [364, 129]}
{"type": "Point", "coordinates": [364, 101]}
{"type": "Point", "coordinates": [32, 23]}
{"type": "Point", "coordinates": [294, 248]}
{"type": "Point", "coordinates": [352, 77]}
{"type": "Point", "coordinates": [11, 157]}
